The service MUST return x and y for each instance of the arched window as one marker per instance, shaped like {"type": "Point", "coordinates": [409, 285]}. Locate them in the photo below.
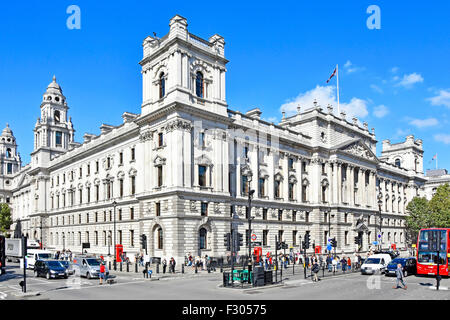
{"type": "Point", "coordinates": [397, 162]}
{"type": "Point", "coordinates": [8, 153]}
{"type": "Point", "coordinates": [57, 116]}
{"type": "Point", "coordinates": [199, 85]}
{"type": "Point", "coordinates": [203, 233]}
{"type": "Point", "coordinates": [160, 238]}
{"type": "Point", "coordinates": [162, 85]}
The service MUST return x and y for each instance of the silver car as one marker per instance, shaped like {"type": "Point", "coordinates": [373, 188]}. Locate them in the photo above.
{"type": "Point", "coordinates": [88, 267]}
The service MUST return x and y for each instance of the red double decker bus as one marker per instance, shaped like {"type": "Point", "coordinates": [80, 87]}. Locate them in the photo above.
{"type": "Point", "coordinates": [426, 259]}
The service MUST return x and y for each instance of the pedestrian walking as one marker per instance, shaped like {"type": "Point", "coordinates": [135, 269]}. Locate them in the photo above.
{"type": "Point", "coordinates": [172, 264]}
{"type": "Point", "coordinates": [315, 270]}
{"type": "Point", "coordinates": [102, 272]}
{"type": "Point", "coordinates": [349, 263]}
{"type": "Point", "coordinates": [306, 262]}
{"type": "Point", "coordinates": [164, 264]}
{"type": "Point", "coordinates": [400, 276]}
{"type": "Point", "coordinates": [344, 264]}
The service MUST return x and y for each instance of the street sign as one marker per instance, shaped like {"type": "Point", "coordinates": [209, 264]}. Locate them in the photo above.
{"type": "Point", "coordinates": [13, 247]}
{"type": "Point", "coordinates": [379, 236]}
{"type": "Point", "coordinates": [375, 243]}
{"type": "Point", "coordinates": [329, 247]}
{"type": "Point", "coordinates": [414, 245]}
{"type": "Point", "coordinates": [254, 237]}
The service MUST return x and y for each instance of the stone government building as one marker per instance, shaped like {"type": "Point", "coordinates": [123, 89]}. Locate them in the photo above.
{"type": "Point", "coordinates": [178, 170]}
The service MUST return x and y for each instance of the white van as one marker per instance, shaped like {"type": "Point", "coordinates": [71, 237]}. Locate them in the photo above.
{"type": "Point", "coordinates": [35, 254]}
{"type": "Point", "coordinates": [375, 263]}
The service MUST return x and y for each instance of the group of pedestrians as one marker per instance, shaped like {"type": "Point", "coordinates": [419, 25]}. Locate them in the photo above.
{"type": "Point", "coordinates": [172, 264]}
{"type": "Point", "coordinates": [64, 255]}
{"type": "Point", "coordinates": [202, 263]}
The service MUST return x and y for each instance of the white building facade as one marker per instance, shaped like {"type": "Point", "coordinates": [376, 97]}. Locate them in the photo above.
{"type": "Point", "coordinates": [178, 170]}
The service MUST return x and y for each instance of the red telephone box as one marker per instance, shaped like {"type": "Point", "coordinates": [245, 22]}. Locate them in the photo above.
{"type": "Point", "coordinates": [257, 252]}
{"type": "Point", "coordinates": [119, 252]}
{"type": "Point", "coordinates": [318, 249]}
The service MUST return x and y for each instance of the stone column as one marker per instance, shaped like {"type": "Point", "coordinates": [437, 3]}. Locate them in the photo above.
{"type": "Point", "coordinates": [351, 188]}
{"type": "Point", "coordinates": [285, 173]}
{"type": "Point", "coordinates": [338, 186]}
{"type": "Point", "coordinates": [298, 170]}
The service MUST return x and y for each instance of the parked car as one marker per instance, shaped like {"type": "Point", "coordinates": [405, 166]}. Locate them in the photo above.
{"type": "Point", "coordinates": [50, 269]}
{"type": "Point", "coordinates": [409, 266]}
{"type": "Point", "coordinates": [88, 267]}
{"type": "Point", "coordinates": [68, 265]}
{"type": "Point", "coordinates": [33, 255]}
{"type": "Point", "coordinates": [376, 263]}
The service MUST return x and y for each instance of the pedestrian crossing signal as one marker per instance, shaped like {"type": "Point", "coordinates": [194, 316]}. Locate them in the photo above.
{"type": "Point", "coordinates": [143, 241]}
{"type": "Point", "coordinates": [334, 243]}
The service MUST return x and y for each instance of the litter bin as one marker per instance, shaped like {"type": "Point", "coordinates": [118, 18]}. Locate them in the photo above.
{"type": "Point", "coordinates": [268, 277]}
{"type": "Point", "coordinates": [258, 277]}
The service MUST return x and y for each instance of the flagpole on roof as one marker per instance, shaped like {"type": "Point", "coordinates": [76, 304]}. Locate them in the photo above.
{"type": "Point", "coordinates": [337, 88]}
{"type": "Point", "coordinates": [436, 162]}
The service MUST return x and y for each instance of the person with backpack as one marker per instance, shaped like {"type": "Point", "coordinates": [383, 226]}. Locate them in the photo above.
{"type": "Point", "coordinates": [315, 270]}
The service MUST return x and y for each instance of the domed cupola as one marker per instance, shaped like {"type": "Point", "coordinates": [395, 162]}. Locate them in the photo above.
{"type": "Point", "coordinates": [54, 93]}
{"type": "Point", "coordinates": [7, 132]}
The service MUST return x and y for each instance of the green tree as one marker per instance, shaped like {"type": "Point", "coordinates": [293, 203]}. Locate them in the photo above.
{"type": "Point", "coordinates": [419, 217]}
{"type": "Point", "coordinates": [5, 218]}
{"type": "Point", "coordinates": [439, 207]}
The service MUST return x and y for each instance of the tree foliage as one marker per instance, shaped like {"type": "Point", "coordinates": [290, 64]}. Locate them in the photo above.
{"type": "Point", "coordinates": [5, 218]}
{"type": "Point", "coordinates": [428, 214]}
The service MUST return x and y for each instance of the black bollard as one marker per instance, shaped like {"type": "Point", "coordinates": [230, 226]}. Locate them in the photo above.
{"type": "Point", "coordinates": [182, 268]}
{"type": "Point", "coordinates": [120, 266]}
{"type": "Point", "coordinates": [115, 265]}
{"type": "Point", "coordinates": [128, 267]}
{"type": "Point", "coordinates": [109, 265]}
{"type": "Point", "coordinates": [196, 271]}
{"type": "Point", "coordinates": [136, 268]}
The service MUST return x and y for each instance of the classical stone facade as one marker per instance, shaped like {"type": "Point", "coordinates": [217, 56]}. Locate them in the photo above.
{"type": "Point", "coordinates": [178, 170]}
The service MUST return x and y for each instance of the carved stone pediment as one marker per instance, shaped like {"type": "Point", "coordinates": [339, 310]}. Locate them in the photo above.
{"type": "Point", "coordinates": [359, 149]}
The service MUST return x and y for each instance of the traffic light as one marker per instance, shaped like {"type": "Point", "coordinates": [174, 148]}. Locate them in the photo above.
{"type": "Point", "coordinates": [357, 240]}
{"type": "Point", "coordinates": [284, 245]}
{"type": "Point", "coordinates": [278, 245]}
{"type": "Point", "coordinates": [307, 241]}
{"type": "Point", "coordinates": [143, 241]}
{"type": "Point", "coordinates": [241, 239]}
{"type": "Point", "coordinates": [227, 241]}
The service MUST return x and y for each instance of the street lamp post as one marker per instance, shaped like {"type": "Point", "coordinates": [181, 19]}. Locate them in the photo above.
{"type": "Point", "coordinates": [114, 248]}
{"type": "Point", "coordinates": [109, 245]}
{"type": "Point", "coordinates": [380, 202]}
{"type": "Point", "coordinates": [64, 242]}
{"type": "Point", "coordinates": [250, 195]}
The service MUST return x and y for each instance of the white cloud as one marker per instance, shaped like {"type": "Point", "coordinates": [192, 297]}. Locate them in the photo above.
{"type": "Point", "coordinates": [349, 67]}
{"type": "Point", "coordinates": [409, 80]}
{"type": "Point", "coordinates": [442, 99]}
{"type": "Point", "coordinates": [422, 123]}
{"type": "Point", "coordinates": [324, 96]}
{"type": "Point", "coordinates": [380, 111]}
{"type": "Point", "coordinates": [271, 119]}
{"type": "Point", "coordinates": [400, 133]}
{"type": "Point", "coordinates": [445, 138]}
{"type": "Point", "coordinates": [376, 88]}
{"type": "Point", "coordinates": [394, 69]}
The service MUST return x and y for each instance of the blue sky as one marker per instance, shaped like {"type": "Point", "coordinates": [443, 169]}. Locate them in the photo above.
{"type": "Point", "coordinates": [395, 78]}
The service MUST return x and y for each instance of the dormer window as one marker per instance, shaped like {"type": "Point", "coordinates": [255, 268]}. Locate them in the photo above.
{"type": "Point", "coordinates": [57, 117]}
{"type": "Point", "coordinates": [199, 85]}
{"type": "Point", "coordinates": [162, 85]}
{"type": "Point", "coordinates": [58, 139]}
